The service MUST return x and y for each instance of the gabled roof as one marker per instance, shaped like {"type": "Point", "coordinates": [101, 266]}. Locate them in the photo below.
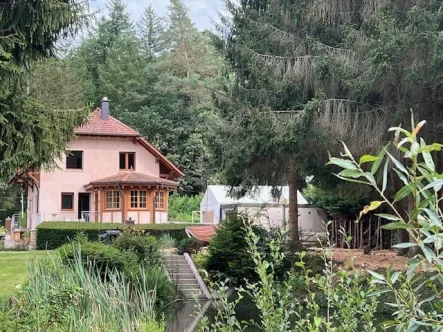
{"type": "Point", "coordinates": [96, 126]}
{"type": "Point", "coordinates": [258, 195]}
{"type": "Point", "coordinates": [132, 178]}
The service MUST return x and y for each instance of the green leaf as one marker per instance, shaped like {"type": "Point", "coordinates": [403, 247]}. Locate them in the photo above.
{"type": "Point", "coordinates": [398, 164]}
{"type": "Point", "coordinates": [394, 277]}
{"type": "Point", "coordinates": [388, 216]}
{"type": "Point", "coordinates": [377, 276]}
{"type": "Point", "coordinates": [374, 205]}
{"type": "Point", "coordinates": [385, 176]}
{"type": "Point", "coordinates": [367, 158]}
{"type": "Point", "coordinates": [351, 180]}
{"type": "Point", "coordinates": [434, 184]}
{"type": "Point", "coordinates": [404, 245]}
{"type": "Point", "coordinates": [402, 193]}
{"type": "Point", "coordinates": [317, 321]}
{"type": "Point", "coordinates": [401, 176]}
{"type": "Point", "coordinates": [427, 156]}
{"type": "Point", "coordinates": [397, 225]}
{"type": "Point", "coordinates": [377, 163]}
{"type": "Point", "coordinates": [429, 253]}
{"type": "Point", "coordinates": [350, 173]}
{"type": "Point", "coordinates": [343, 163]}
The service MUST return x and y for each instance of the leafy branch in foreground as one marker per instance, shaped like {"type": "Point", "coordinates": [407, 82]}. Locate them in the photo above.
{"type": "Point", "coordinates": [418, 292]}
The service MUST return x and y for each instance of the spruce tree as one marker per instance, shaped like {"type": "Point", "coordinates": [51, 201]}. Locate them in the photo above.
{"type": "Point", "coordinates": [151, 31]}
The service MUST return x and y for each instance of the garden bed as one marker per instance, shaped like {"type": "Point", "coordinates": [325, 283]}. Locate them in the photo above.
{"type": "Point", "coordinates": [378, 259]}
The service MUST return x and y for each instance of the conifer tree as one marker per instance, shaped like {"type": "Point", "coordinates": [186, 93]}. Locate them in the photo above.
{"type": "Point", "coordinates": [32, 134]}
{"type": "Point", "coordinates": [151, 32]}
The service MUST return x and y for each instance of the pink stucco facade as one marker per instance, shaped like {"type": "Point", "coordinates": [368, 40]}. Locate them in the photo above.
{"type": "Point", "coordinates": [100, 160]}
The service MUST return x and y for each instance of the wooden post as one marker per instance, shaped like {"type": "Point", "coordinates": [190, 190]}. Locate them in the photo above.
{"type": "Point", "coordinates": [8, 224]}
{"type": "Point", "coordinates": [151, 208]}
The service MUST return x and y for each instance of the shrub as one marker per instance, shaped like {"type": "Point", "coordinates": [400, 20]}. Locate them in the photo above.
{"type": "Point", "coordinates": [228, 251]}
{"type": "Point", "coordinates": [51, 235]}
{"type": "Point", "coordinates": [146, 247]}
{"type": "Point", "coordinates": [166, 241]}
{"type": "Point", "coordinates": [100, 257]}
{"type": "Point", "coordinates": [189, 245]}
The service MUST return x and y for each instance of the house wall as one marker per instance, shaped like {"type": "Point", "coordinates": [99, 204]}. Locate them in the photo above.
{"type": "Point", "coordinates": [100, 159]}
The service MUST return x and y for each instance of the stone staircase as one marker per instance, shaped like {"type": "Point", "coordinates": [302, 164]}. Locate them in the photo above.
{"type": "Point", "coordinates": [184, 275]}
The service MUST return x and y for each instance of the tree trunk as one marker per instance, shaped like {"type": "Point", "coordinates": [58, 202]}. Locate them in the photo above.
{"type": "Point", "coordinates": [295, 242]}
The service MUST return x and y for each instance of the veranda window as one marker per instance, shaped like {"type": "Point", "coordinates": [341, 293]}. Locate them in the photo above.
{"type": "Point", "coordinates": [138, 199]}
{"type": "Point", "coordinates": [112, 199]}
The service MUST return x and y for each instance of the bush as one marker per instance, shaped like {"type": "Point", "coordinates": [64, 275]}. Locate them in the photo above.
{"type": "Point", "coordinates": [145, 247]}
{"type": "Point", "coordinates": [52, 235]}
{"type": "Point", "coordinates": [228, 251]}
{"type": "Point", "coordinates": [189, 245]}
{"type": "Point", "coordinates": [100, 257]}
{"type": "Point", "coordinates": [166, 241]}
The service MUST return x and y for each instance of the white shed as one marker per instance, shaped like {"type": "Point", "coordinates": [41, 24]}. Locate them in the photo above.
{"type": "Point", "coordinates": [262, 207]}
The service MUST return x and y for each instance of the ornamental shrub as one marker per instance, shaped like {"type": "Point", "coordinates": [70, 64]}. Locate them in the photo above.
{"type": "Point", "coordinates": [100, 257]}
{"type": "Point", "coordinates": [228, 251]}
{"type": "Point", "coordinates": [189, 245]}
{"type": "Point", "coordinates": [145, 247]}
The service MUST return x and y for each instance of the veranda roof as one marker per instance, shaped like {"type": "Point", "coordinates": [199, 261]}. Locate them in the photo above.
{"type": "Point", "coordinates": [132, 178]}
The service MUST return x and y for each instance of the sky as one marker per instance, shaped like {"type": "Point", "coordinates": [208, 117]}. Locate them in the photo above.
{"type": "Point", "coordinates": [203, 12]}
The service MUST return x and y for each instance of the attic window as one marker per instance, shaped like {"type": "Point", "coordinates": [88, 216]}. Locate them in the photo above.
{"type": "Point", "coordinates": [127, 160]}
{"type": "Point", "coordinates": [74, 160]}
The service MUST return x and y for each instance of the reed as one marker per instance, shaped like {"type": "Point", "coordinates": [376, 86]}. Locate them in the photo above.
{"type": "Point", "coordinates": [74, 297]}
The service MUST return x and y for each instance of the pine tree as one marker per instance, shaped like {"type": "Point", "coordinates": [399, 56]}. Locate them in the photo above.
{"type": "Point", "coordinates": [151, 31]}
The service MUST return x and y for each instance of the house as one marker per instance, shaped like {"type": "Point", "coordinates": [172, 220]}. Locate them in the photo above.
{"type": "Point", "coordinates": [110, 174]}
{"type": "Point", "coordinates": [261, 206]}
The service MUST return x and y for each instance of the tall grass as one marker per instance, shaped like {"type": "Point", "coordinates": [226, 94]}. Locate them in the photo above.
{"type": "Point", "coordinates": [74, 297]}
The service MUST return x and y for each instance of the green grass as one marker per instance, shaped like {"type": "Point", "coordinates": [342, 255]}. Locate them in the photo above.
{"type": "Point", "coordinates": [13, 270]}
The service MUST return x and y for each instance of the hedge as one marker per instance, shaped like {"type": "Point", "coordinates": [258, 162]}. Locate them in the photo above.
{"type": "Point", "coordinates": [54, 234]}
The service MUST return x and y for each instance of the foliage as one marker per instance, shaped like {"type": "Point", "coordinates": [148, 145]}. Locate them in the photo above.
{"type": "Point", "coordinates": [180, 207]}
{"type": "Point", "coordinates": [151, 33]}
{"type": "Point", "coordinates": [53, 234]}
{"type": "Point", "coordinates": [33, 135]}
{"type": "Point", "coordinates": [166, 241]}
{"type": "Point", "coordinates": [228, 251]}
{"type": "Point", "coordinates": [339, 200]}
{"type": "Point", "coordinates": [60, 297]}
{"type": "Point", "coordinates": [9, 201]}
{"type": "Point", "coordinates": [189, 245]}
{"type": "Point", "coordinates": [283, 307]}
{"type": "Point", "coordinates": [422, 183]}
{"type": "Point", "coordinates": [145, 247]}
{"type": "Point", "coordinates": [100, 258]}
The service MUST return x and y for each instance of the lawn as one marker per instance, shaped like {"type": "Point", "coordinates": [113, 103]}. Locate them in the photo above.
{"type": "Point", "coordinates": [13, 270]}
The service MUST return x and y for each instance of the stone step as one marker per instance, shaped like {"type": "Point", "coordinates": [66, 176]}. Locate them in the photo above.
{"type": "Point", "coordinates": [188, 282]}
{"type": "Point", "coordinates": [185, 269]}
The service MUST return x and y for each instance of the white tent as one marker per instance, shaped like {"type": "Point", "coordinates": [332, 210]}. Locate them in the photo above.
{"type": "Point", "coordinates": [261, 206]}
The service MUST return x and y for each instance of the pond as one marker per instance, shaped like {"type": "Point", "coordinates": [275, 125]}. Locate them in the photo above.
{"type": "Point", "coordinates": [181, 316]}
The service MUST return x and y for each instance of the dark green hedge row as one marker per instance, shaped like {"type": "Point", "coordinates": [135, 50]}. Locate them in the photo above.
{"type": "Point", "coordinates": [51, 235]}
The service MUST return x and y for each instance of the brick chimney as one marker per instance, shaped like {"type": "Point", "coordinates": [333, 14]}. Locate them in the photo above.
{"type": "Point", "coordinates": [105, 109]}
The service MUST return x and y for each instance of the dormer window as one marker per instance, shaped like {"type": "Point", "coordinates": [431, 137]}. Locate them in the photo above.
{"type": "Point", "coordinates": [127, 161]}
{"type": "Point", "coordinates": [74, 160]}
